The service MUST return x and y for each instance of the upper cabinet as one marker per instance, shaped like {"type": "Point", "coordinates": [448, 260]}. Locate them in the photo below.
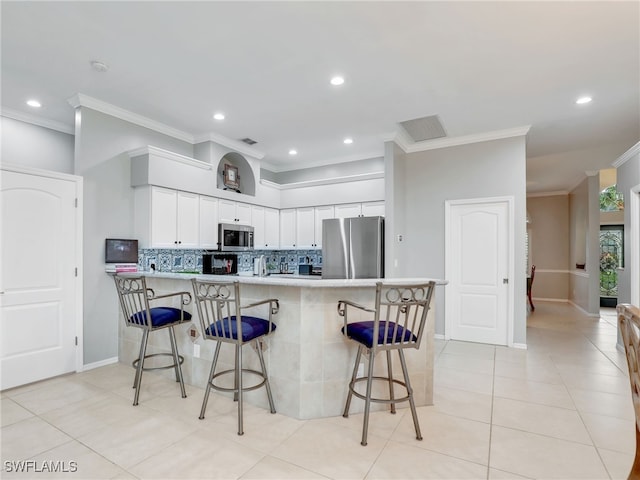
{"type": "Point", "coordinates": [208, 222]}
{"type": "Point", "coordinates": [367, 209]}
{"type": "Point", "coordinates": [234, 212]}
{"type": "Point", "coordinates": [309, 225]}
{"type": "Point", "coordinates": [266, 224]}
{"type": "Point", "coordinates": [167, 218]}
{"type": "Point", "coordinates": [288, 228]}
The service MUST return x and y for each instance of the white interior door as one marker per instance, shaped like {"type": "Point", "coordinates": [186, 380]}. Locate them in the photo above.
{"type": "Point", "coordinates": [478, 259]}
{"type": "Point", "coordinates": [38, 302]}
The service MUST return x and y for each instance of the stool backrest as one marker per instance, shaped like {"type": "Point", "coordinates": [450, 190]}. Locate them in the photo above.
{"type": "Point", "coordinates": [407, 307]}
{"type": "Point", "coordinates": [218, 304]}
{"type": "Point", "coordinates": [134, 300]}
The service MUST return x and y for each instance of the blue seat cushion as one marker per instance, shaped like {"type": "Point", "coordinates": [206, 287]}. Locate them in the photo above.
{"type": "Point", "coordinates": [252, 327]}
{"type": "Point", "coordinates": [160, 316]}
{"type": "Point", "coordinates": [362, 332]}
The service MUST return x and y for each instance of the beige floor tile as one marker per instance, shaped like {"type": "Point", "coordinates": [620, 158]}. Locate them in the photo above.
{"type": "Point", "coordinates": [542, 419]}
{"type": "Point", "coordinates": [454, 436]}
{"type": "Point", "coordinates": [313, 444]}
{"type": "Point", "coordinates": [128, 442]}
{"type": "Point", "coordinates": [611, 433]}
{"type": "Point", "coordinates": [270, 468]}
{"type": "Point", "coordinates": [30, 437]}
{"type": "Point", "coordinates": [11, 412]}
{"type": "Point", "coordinates": [461, 403]}
{"type": "Point", "coordinates": [602, 403]}
{"type": "Point", "coordinates": [87, 464]}
{"type": "Point", "coordinates": [199, 455]}
{"type": "Point", "coordinates": [618, 464]}
{"type": "Point", "coordinates": [472, 349]}
{"type": "Point", "coordinates": [462, 380]}
{"type": "Point", "coordinates": [466, 363]}
{"type": "Point", "coordinates": [534, 392]}
{"type": "Point", "coordinates": [600, 383]}
{"type": "Point", "coordinates": [407, 462]}
{"type": "Point", "coordinates": [49, 396]}
{"type": "Point", "coordinates": [495, 474]}
{"type": "Point", "coordinates": [539, 456]}
{"type": "Point", "coordinates": [535, 372]}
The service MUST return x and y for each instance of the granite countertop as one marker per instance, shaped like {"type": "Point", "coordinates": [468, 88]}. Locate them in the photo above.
{"type": "Point", "coordinates": [287, 280]}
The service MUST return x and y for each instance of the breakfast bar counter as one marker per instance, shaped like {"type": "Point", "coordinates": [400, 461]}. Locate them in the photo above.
{"type": "Point", "coordinates": [308, 359]}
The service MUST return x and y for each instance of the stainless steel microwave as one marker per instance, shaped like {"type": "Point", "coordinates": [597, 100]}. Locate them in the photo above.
{"type": "Point", "coordinates": [234, 238]}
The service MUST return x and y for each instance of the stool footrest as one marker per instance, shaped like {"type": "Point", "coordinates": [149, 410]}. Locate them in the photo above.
{"type": "Point", "coordinates": [173, 365]}
{"type": "Point", "coordinates": [378, 400]}
{"type": "Point", "coordinates": [244, 389]}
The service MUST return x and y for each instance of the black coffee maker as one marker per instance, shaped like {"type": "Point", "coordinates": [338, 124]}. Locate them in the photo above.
{"type": "Point", "coordinates": [219, 263]}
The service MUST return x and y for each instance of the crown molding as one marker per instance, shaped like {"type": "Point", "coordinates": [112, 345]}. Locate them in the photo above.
{"type": "Point", "coordinates": [81, 100]}
{"type": "Point", "coordinates": [324, 181]}
{"type": "Point", "coordinates": [235, 145]}
{"type": "Point", "coordinates": [622, 159]}
{"type": "Point", "coordinates": [36, 120]}
{"type": "Point", "coordinates": [412, 147]}
{"type": "Point", "coordinates": [548, 194]}
{"type": "Point", "coordinates": [176, 157]}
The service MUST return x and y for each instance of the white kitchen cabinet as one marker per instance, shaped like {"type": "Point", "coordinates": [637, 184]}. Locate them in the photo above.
{"type": "Point", "coordinates": [166, 218]}
{"type": "Point", "coordinates": [271, 228]}
{"type": "Point", "coordinates": [309, 225]}
{"type": "Point", "coordinates": [288, 228]}
{"type": "Point", "coordinates": [348, 210]}
{"type": "Point", "coordinates": [234, 212]}
{"type": "Point", "coordinates": [373, 209]}
{"type": "Point", "coordinates": [366, 209]}
{"type": "Point", "coordinates": [208, 222]}
{"type": "Point", "coordinates": [266, 225]}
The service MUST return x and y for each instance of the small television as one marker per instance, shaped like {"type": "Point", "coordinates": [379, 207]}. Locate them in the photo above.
{"type": "Point", "coordinates": [120, 250]}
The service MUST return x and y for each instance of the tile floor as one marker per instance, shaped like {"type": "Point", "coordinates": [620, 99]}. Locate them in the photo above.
{"type": "Point", "coordinates": [560, 409]}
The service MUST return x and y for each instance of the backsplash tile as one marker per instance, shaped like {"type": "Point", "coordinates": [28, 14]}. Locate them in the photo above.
{"type": "Point", "coordinates": [182, 260]}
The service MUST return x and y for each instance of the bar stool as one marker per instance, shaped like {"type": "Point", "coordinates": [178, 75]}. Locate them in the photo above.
{"type": "Point", "coordinates": [134, 299]}
{"type": "Point", "coordinates": [399, 319]}
{"type": "Point", "coordinates": [219, 308]}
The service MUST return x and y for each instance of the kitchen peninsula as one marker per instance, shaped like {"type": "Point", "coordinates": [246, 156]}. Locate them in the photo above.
{"type": "Point", "coordinates": [308, 359]}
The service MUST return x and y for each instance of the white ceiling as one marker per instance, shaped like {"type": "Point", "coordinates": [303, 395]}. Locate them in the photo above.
{"type": "Point", "coordinates": [480, 66]}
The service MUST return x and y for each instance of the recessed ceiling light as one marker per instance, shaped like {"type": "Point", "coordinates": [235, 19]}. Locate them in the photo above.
{"type": "Point", "coordinates": [337, 80]}
{"type": "Point", "coordinates": [293, 152]}
{"type": "Point", "coordinates": [582, 100]}
{"type": "Point", "coordinates": [99, 66]}
{"type": "Point", "coordinates": [348, 141]}
{"type": "Point", "coordinates": [219, 116]}
{"type": "Point", "coordinates": [34, 103]}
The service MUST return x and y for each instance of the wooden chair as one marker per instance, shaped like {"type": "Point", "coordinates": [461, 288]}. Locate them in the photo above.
{"type": "Point", "coordinates": [629, 324]}
{"type": "Point", "coordinates": [529, 285]}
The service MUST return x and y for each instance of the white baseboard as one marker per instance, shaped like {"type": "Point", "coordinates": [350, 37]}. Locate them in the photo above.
{"type": "Point", "coordinates": [438, 336]}
{"type": "Point", "coordinates": [590, 315]}
{"type": "Point", "coordinates": [560, 300]}
{"type": "Point", "coordinates": [101, 363]}
{"type": "Point", "coordinates": [522, 346]}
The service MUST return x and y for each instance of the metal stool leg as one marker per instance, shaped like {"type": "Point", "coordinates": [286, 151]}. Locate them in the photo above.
{"type": "Point", "coordinates": [176, 361]}
{"type": "Point", "coordinates": [211, 373]}
{"type": "Point", "coordinates": [264, 374]}
{"type": "Point", "coordinates": [239, 387]}
{"type": "Point", "coordinates": [390, 373]}
{"type": "Point", "coordinates": [412, 404]}
{"type": "Point", "coordinates": [140, 366]}
{"type": "Point", "coordinates": [367, 401]}
{"type": "Point", "coordinates": [347, 405]}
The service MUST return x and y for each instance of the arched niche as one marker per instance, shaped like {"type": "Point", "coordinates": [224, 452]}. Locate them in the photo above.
{"type": "Point", "coordinates": [235, 168]}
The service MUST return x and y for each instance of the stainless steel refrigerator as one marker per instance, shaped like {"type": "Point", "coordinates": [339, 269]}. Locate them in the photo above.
{"type": "Point", "coordinates": [353, 247]}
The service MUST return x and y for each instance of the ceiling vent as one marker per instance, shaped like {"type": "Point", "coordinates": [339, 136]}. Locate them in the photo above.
{"type": "Point", "coordinates": [425, 128]}
{"type": "Point", "coordinates": [248, 141]}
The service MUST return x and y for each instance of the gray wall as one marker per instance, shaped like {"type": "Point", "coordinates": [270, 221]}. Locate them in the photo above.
{"type": "Point", "coordinates": [427, 179]}
{"type": "Point", "coordinates": [357, 167]}
{"type": "Point", "coordinates": [101, 159]}
{"type": "Point", "coordinates": [33, 146]}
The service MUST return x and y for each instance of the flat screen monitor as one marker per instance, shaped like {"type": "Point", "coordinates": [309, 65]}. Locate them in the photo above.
{"type": "Point", "coordinates": [119, 250]}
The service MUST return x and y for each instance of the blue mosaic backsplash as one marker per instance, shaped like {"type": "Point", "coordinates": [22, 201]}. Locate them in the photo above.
{"type": "Point", "coordinates": [181, 260]}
